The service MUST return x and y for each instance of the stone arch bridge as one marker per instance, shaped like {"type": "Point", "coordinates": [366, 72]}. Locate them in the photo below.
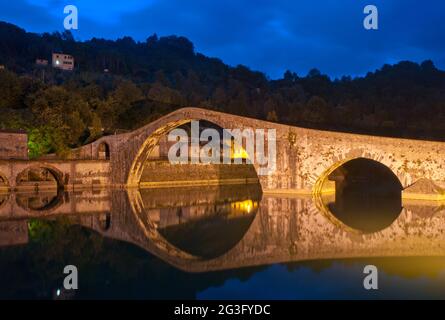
{"type": "Point", "coordinates": [304, 156]}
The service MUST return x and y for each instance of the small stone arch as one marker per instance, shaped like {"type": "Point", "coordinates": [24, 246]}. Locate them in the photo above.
{"type": "Point", "coordinates": [318, 185]}
{"type": "Point", "coordinates": [56, 173]}
{"type": "Point", "coordinates": [103, 151]}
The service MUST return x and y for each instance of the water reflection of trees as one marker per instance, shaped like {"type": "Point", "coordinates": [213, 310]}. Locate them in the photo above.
{"type": "Point", "coordinates": [110, 268]}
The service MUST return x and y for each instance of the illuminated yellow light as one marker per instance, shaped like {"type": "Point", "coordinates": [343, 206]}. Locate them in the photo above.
{"type": "Point", "coordinates": [240, 153]}
{"type": "Point", "coordinates": [236, 152]}
{"type": "Point", "coordinates": [244, 206]}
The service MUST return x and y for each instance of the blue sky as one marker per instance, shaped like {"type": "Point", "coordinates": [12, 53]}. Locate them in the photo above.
{"type": "Point", "coordinates": [265, 35]}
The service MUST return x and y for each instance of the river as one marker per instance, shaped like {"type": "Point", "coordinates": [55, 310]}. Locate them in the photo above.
{"type": "Point", "coordinates": [214, 242]}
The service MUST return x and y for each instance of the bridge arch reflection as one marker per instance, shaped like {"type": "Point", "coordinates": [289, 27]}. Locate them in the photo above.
{"type": "Point", "coordinates": [360, 194]}
{"type": "Point", "coordinates": [283, 229]}
{"type": "Point", "coordinates": [4, 183]}
{"type": "Point", "coordinates": [190, 225]}
{"type": "Point", "coordinates": [40, 202]}
{"type": "Point", "coordinates": [4, 199]}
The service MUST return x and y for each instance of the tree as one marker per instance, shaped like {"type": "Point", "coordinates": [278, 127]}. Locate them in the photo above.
{"type": "Point", "coordinates": [39, 142]}
{"type": "Point", "coordinates": [316, 110]}
{"type": "Point", "coordinates": [118, 102]}
{"type": "Point", "coordinates": [65, 115]}
{"type": "Point", "coordinates": [125, 94]}
{"type": "Point", "coordinates": [289, 76]}
{"type": "Point", "coordinates": [272, 116]}
{"type": "Point", "coordinates": [95, 128]}
{"type": "Point", "coordinates": [10, 90]}
{"type": "Point", "coordinates": [166, 95]}
{"type": "Point", "coordinates": [314, 72]}
{"type": "Point", "coordinates": [151, 40]}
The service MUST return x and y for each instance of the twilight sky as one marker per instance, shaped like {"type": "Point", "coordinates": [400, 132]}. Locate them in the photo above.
{"type": "Point", "coordinates": [265, 35]}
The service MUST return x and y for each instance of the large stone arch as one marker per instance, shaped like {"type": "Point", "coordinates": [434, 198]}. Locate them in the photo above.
{"type": "Point", "coordinates": [145, 149]}
{"type": "Point", "coordinates": [150, 135]}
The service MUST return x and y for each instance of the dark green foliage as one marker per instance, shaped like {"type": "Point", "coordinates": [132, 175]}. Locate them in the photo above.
{"type": "Point", "coordinates": [145, 80]}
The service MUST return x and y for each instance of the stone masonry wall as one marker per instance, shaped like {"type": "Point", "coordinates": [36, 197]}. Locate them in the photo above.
{"type": "Point", "coordinates": [13, 145]}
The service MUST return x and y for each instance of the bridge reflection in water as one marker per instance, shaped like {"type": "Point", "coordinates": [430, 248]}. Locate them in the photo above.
{"type": "Point", "coordinates": [201, 229]}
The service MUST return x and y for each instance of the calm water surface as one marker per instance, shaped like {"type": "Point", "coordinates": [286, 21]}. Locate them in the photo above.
{"type": "Point", "coordinates": [230, 242]}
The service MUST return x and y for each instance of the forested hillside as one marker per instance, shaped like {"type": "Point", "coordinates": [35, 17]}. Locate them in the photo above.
{"type": "Point", "coordinates": [124, 84]}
